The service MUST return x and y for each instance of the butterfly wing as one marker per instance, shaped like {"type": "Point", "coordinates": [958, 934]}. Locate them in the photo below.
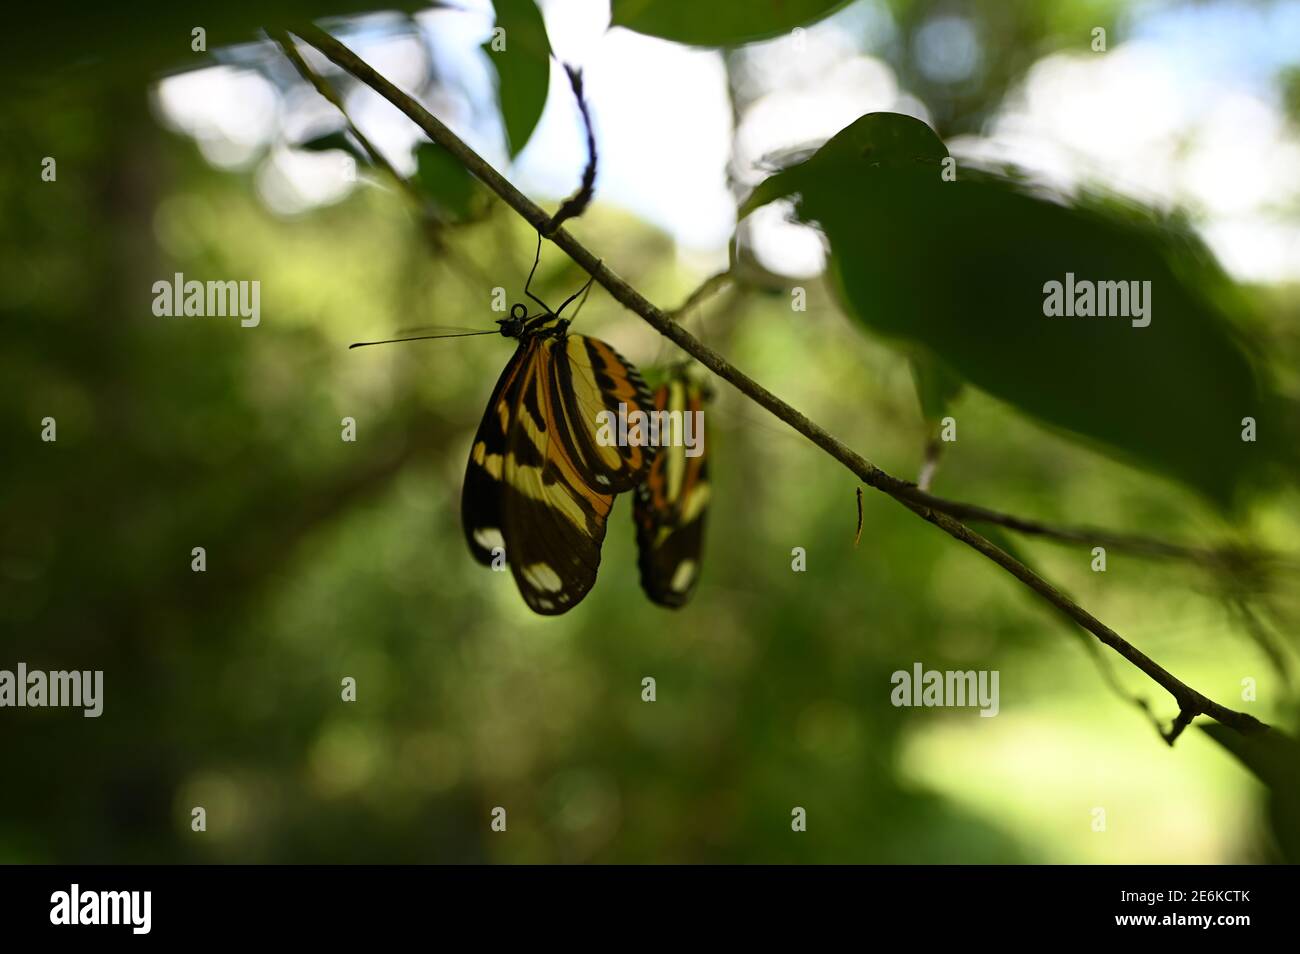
{"type": "Point", "coordinates": [539, 483]}
{"type": "Point", "coordinates": [589, 377]}
{"type": "Point", "coordinates": [553, 519]}
{"type": "Point", "coordinates": [670, 505]}
{"type": "Point", "coordinates": [480, 500]}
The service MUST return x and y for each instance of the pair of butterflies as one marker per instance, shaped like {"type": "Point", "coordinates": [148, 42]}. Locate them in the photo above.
{"type": "Point", "coordinates": [540, 483]}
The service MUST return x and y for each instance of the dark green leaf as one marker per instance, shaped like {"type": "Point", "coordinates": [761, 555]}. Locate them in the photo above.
{"type": "Point", "coordinates": [523, 68]}
{"type": "Point", "coordinates": [447, 183]}
{"type": "Point", "coordinates": [339, 140]}
{"type": "Point", "coordinates": [1273, 758]}
{"type": "Point", "coordinates": [718, 24]}
{"type": "Point", "coordinates": [960, 268]}
{"type": "Point", "coordinates": [936, 385]}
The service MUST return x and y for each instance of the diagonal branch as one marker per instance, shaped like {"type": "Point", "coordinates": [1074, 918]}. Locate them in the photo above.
{"type": "Point", "coordinates": [1190, 702]}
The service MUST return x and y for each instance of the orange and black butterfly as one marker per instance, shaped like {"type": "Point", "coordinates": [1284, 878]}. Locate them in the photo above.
{"type": "Point", "coordinates": [670, 505]}
{"type": "Point", "coordinates": [540, 483]}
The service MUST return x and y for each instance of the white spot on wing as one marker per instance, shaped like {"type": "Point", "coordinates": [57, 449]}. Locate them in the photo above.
{"type": "Point", "coordinates": [683, 576]}
{"type": "Point", "coordinates": [489, 537]}
{"type": "Point", "coordinates": [543, 577]}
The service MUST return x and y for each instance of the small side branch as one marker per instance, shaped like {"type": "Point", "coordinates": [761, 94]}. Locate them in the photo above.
{"type": "Point", "coordinates": [318, 82]}
{"type": "Point", "coordinates": [930, 465]}
{"type": "Point", "coordinates": [1184, 719]}
{"type": "Point", "coordinates": [577, 203]}
{"type": "Point", "coordinates": [1138, 544]}
{"type": "Point", "coordinates": [706, 289]}
{"type": "Point", "coordinates": [858, 535]}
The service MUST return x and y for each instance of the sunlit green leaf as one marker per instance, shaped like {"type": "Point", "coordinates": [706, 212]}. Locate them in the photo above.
{"type": "Point", "coordinates": [718, 24]}
{"type": "Point", "coordinates": [521, 53]}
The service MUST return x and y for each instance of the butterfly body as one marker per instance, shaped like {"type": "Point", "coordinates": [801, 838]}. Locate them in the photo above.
{"type": "Point", "coordinates": [540, 484]}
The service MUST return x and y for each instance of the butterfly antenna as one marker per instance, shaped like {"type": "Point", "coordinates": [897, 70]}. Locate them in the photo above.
{"type": "Point", "coordinates": [463, 334]}
{"type": "Point", "coordinates": [584, 291]}
{"type": "Point", "coordinates": [414, 328]}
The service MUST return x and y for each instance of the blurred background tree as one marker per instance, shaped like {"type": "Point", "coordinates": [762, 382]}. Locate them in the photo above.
{"type": "Point", "coordinates": [328, 559]}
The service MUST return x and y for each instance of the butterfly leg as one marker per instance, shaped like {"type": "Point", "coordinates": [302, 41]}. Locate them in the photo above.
{"type": "Point", "coordinates": [528, 284]}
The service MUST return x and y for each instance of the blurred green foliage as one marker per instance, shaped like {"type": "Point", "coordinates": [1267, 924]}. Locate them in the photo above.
{"type": "Point", "coordinates": [1009, 37]}
{"type": "Point", "coordinates": [75, 43]}
{"type": "Point", "coordinates": [328, 559]}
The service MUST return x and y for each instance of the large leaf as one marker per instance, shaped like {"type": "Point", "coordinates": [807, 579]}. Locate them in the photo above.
{"type": "Point", "coordinates": [523, 68]}
{"type": "Point", "coordinates": [718, 23]}
{"type": "Point", "coordinates": [448, 184]}
{"type": "Point", "coordinates": [1274, 759]}
{"type": "Point", "coordinates": [960, 268]}
{"type": "Point", "coordinates": [936, 386]}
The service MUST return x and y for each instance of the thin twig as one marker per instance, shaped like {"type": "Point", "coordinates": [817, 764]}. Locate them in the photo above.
{"type": "Point", "coordinates": [1183, 720]}
{"type": "Point", "coordinates": [1096, 536]}
{"type": "Point", "coordinates": [930, 464]}
{"type": "Point", "coordinates": [577, 203]}
{"type": "Point", "coordinates": [432, 219]}
{"type": "Point", "coordinates": [710, 286]}
{"type": "Point", "coordinates": [377, 158]}
{"type": "Point", "coordinates": [858, 535]}
{"type": "Point", "coordinates": [1272, 648]}
{"type": "Point", "coordinates": [1190, 702]}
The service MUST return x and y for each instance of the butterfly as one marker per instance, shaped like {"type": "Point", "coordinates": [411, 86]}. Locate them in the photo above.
{"type": "Point", "coordinates": [670, 504]}
{"type": "Point", "coordinates": [540, 483]}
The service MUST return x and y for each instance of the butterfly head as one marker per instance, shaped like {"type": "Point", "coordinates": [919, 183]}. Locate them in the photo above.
{"type": "Point", "coordinates": [513, 327]}
{"type": "Point", "coordinates": [521, 325]}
